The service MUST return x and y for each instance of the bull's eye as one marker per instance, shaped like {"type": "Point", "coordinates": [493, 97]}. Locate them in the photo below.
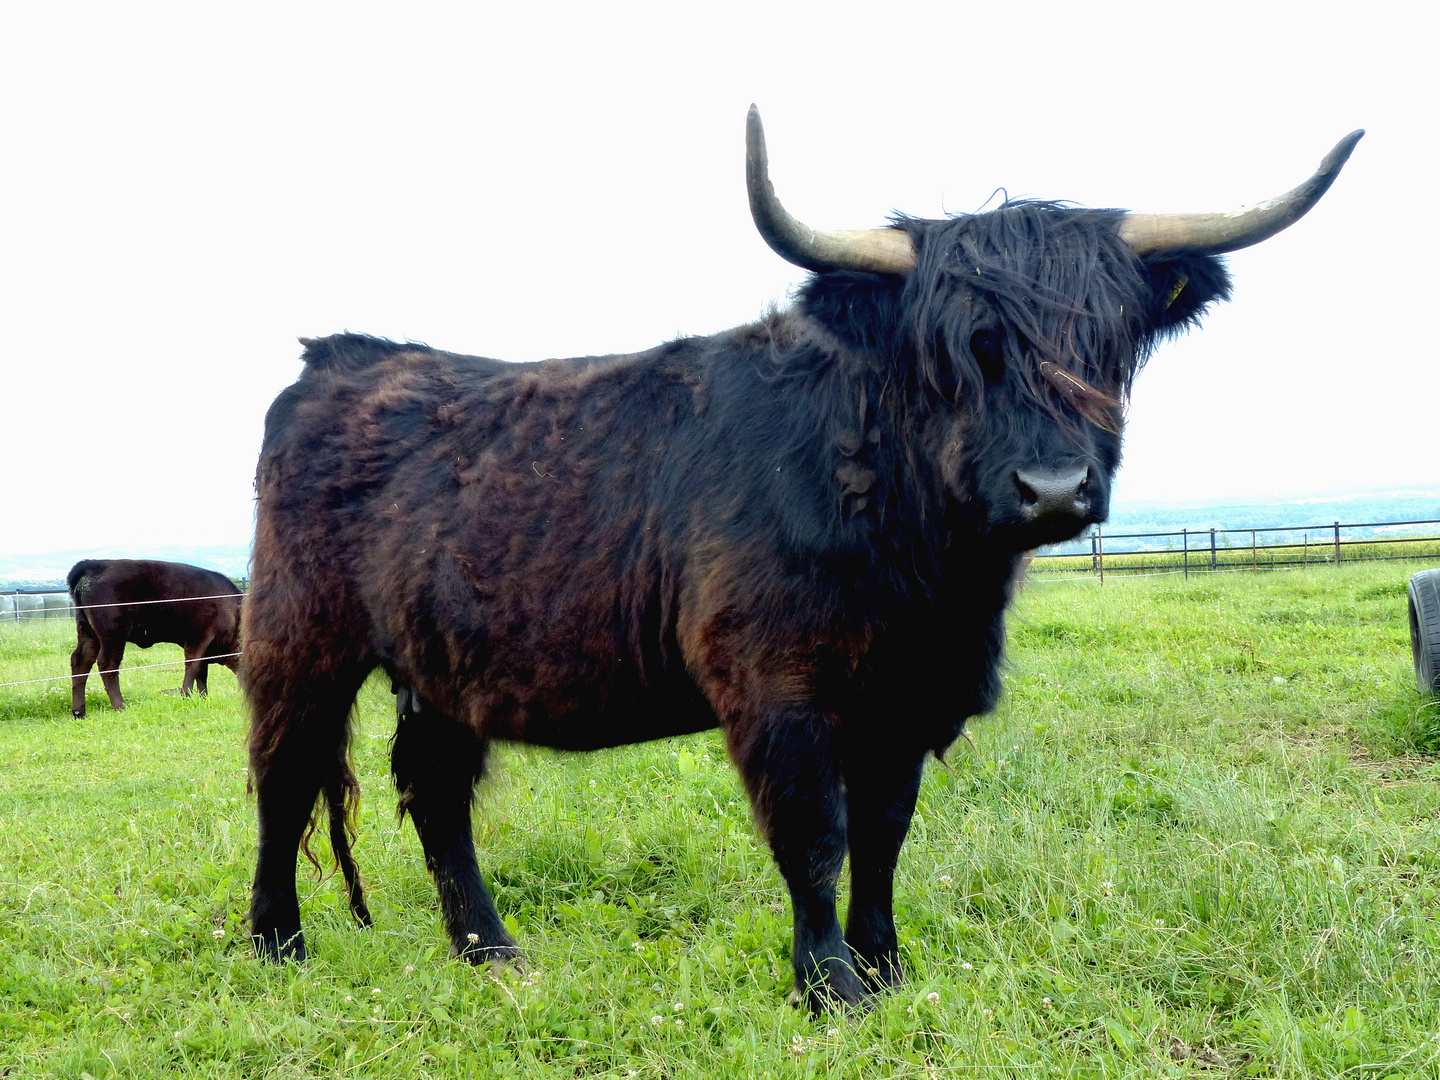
{"type": "Point", "coordinates": [988, 348]}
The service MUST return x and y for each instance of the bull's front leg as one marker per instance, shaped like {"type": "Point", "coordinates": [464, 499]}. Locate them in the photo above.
{"type": "Point", "coordinates": [881, 784]}
{"type": "Point", "coordinates": [788, 760]}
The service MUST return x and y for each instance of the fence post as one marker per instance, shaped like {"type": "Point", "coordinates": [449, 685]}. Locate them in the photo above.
{"type": "Point", "coordinates": [1185, 543]}
{"type": "Point", "coordinates": [1094, 563]}
{"type": "Point", "coordinates": [1254, 554]}
{"type": "Point", "coordinates": [1337, 543]}
{"type": "Point", "coordinates": [1212, 549]}
{"type": "Point", "coordinates": [1100, 551]}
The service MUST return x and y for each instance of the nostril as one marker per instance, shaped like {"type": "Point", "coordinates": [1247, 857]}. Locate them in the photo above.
{"type": "Point", "coordinates": [1027, 493]}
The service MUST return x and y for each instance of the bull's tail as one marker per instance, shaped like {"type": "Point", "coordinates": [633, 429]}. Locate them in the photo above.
{"type": "Point", "coordinates": [340, 798]}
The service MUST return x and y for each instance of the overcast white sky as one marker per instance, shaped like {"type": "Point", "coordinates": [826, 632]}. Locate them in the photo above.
{"type": "Point", "coordinates": [188, 188]}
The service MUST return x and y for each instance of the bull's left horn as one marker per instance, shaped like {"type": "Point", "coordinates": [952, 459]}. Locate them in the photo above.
{"type": "Point", "coordinates": [880, 251]}
{"type": "Point", "coordinates": [1214, 234]}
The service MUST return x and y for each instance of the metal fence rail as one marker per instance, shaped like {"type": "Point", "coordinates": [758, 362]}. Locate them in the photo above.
{"type": "Point", "coordinates": [1189, 551]}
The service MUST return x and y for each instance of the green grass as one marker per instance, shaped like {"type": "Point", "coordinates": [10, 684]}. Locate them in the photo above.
{"type": "Point", "coordinates": [1199, 839]}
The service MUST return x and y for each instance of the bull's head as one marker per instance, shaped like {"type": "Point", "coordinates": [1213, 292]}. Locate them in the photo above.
{"type": "Point", "coordinates": [1023, 328]}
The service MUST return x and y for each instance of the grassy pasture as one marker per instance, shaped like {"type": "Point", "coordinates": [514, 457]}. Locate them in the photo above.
{"type": "Point", "coordinates": [1201, 837]}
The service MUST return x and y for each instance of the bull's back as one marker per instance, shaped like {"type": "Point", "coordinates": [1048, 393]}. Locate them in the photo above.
{"type": "Point", "coordinates": [481, 530]}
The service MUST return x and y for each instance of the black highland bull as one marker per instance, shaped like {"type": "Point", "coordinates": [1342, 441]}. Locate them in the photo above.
{"type": "Point", "coordinates": [140, 602]}
{"type": "Point", "coordinates": [803, 531]}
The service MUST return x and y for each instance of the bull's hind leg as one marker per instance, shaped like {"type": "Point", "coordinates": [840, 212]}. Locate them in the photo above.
{"type": "Point", "coordinates": [87, 649]}
{"type": "Point", "coordinates": [300, 730]}
{"type": "Point", "coordinates": [880, 790]}
{"type": "Point", "coordinates": [197, 670]}
{"type": "Point", "coordinates": [790, 769]}
{"type": "Point", "coordinates": [112, 655]}
{"type": "Point", "coordinates": [437, 762]}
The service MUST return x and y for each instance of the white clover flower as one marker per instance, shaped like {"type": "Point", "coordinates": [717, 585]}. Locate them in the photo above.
{"type": "Point", "coordinates": [348, 998]}
{"type": "Point", "coordinates": [409, 969]}
{"type": "Point", "coordinates": [217, 934]}
{"type": "Point", "coordinates": [679, 1006]}
{"type": "Point", "coordinates": [638, 946]}
{"type": "Point", "coordinates": [833, 1033]}
{"type": "Point", "coordinates": [933, 997]}
{"type": "Point", "coordinates": [375, 991]}
{"type": "Point", "coordinates": [966, 965]}
{"type": "Point", "coordinates": [1046, 1003]}
{"type": "Point", "coordinates": [473, 938]}
{"type": "Point", "coordinates": [679, 1022]}
{"type": "Point", "coordinates": [987, 1013]}
{"type": "Point", "coordinates": [946, 881]}
{"type": "Point", "coordinates": [657, 1020]}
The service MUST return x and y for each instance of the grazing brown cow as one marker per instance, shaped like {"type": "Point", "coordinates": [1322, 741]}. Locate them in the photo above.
{"type": "Point", "coordinates": [141, 601]}
{"type": "Point", "coordinates": [804, 531]}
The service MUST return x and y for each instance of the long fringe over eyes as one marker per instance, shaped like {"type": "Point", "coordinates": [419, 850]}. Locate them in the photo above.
{"type": "Point", "coordinates": [1055, 281]}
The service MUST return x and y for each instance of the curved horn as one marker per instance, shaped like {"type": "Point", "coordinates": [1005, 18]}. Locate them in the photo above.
{"type": "Point", "coordinates": [1214, 234]}
{"type": "Point", "coordinates": [880, 251]}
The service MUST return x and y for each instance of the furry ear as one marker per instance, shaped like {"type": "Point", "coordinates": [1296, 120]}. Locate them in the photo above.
{"type": "Point", "coordinates": [1182, 288]}
{"type": "Point", "coordinates": [862, 310]}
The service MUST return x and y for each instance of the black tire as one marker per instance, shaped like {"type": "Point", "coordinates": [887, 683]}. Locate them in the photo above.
{"type": "Point", "coordinates": [1425, 629]}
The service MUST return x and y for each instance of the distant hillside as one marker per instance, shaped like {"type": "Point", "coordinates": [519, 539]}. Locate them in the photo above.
{"type": "Point", "coordinates": [1314, 511]}
{"type": "Point", "coordinates": [50, 568]}
{"type": "Point", "coordinates": [1368, 507]}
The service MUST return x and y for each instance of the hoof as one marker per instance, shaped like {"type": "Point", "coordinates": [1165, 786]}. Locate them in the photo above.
{"type": "Point", "coordinates": [881, 974]}
{"type": "Point", "coordinates": [494, 957]}
{"type": "Point", "coordinates": [836, 990]}
{"type": "Point", "coordinates": [271, 947]}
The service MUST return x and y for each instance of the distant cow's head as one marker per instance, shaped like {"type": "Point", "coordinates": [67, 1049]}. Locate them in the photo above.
{"type": "Point", "coordinates": [1019, 331]}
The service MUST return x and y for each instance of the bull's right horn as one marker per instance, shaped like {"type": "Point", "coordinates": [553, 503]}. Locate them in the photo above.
{"type": "Point", "coordinates": [879, 251]}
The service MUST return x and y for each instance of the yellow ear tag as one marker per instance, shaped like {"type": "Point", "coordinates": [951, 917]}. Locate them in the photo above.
{"type": "Point", "coordinates": [1177, 290]}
